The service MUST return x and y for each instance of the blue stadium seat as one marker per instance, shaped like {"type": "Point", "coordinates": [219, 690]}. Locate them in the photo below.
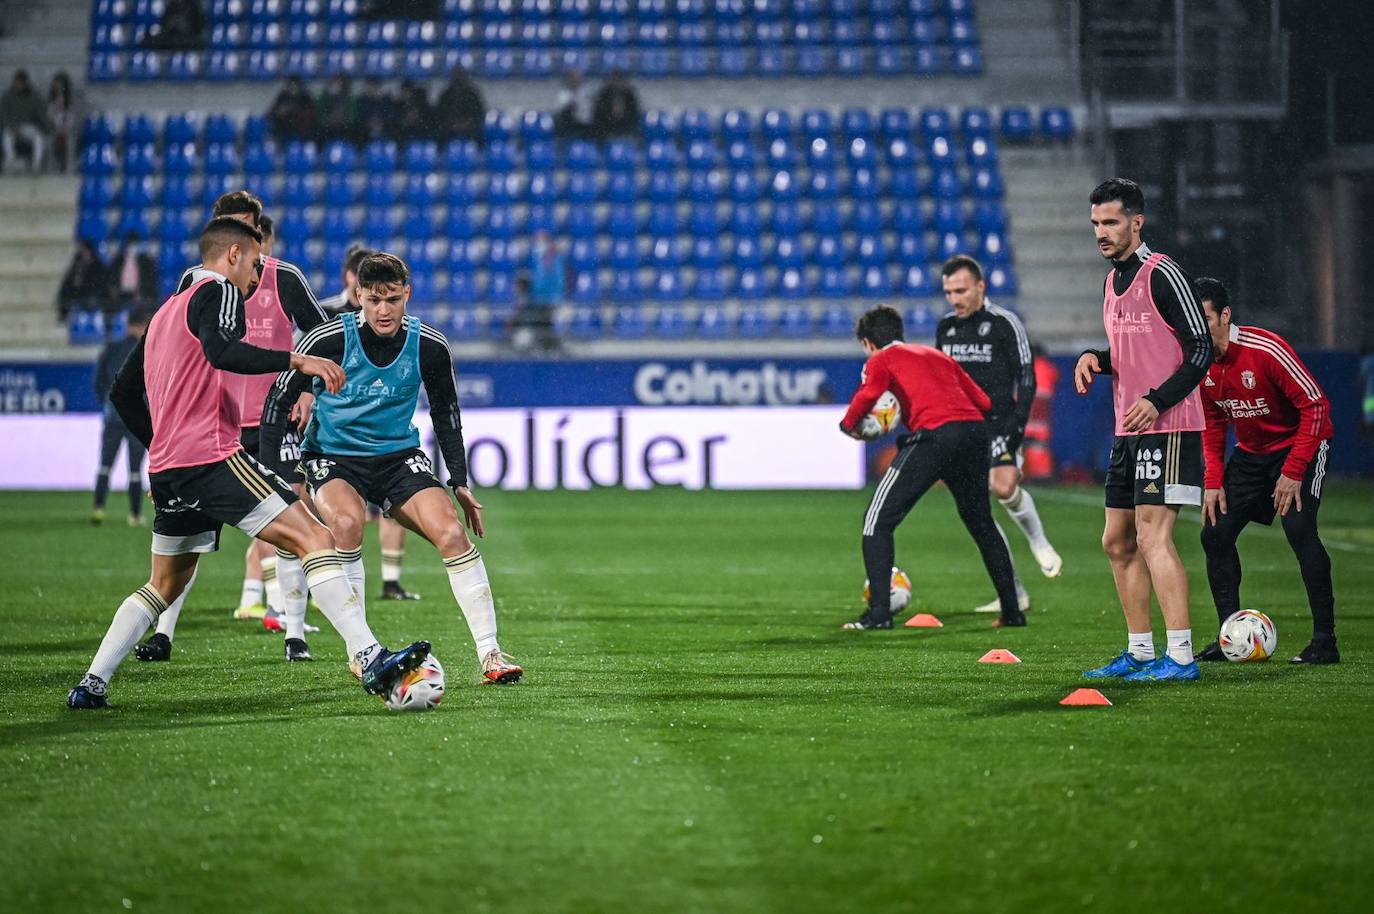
{"type": "Point", "coordinates": [967, 62]}
{"type": "Point", "coordinates": [911, 248]}
{"type": "Point", "coordinates": [865, 217]}
{"type": "Point", "coordinates": [1002, 282]}
{"type": "Point", "coordinates": [96, 193]}
{"type": "Point", "coordinates": [856, 123]}
{"type": "Point", "coordinates": [1056, 124]}
{"type": "Point", "coordinates": [863, 184]}
{"type": "Point", "coordinates": [776, 124]}
{"type": "Point", "coordinates": [92, 227]}
{"type": "Point", "coordinates": [141, 159]}
{"type": "Point", "coordinates": [987, 183]}
{"type": "Point", "coordinates": [751, 284]}
{"type": "Point", "coordinates": [499, 127]}
{"type": "Point", "coordinates": [582, 254]}
{"type": "Point", "coordinates": [1017, 125]}
{"type": "Point", "coordinates": [994, 251]}
{"type": "Point", "coordinates": [874, 282]}
{"type": "Point", "coordinates": [951, 243]}
{"type": "Point", "coordinates": [782, 188]}
{"type": "Point", "coordinates": [136, 192]}
{"type": "Point", "coordinates": [787, 252]}
{"type": "Point", "coordinates": [946, 184]}
{"type": "Point", "coordinates": [668, 287]}
{"type": "Point", "coordinates": [223, 66]}
{"type": "Point", "coordinates": [254, 130]}
{"type": "Point", "coordinates": [975, 122]}
{"type": "Point", "coordinates": [621, 221]}
{"type": "Point", "coordinates": [786, 218]}
{"type": "Point", "coordinates": [982, 150]}
{"type": "Point", "coordinates": [462, 156]}
{"type": "Point", "coordinates": [820, 154]}
{"type": "Point", "coordinates": [860, 154]}
{"type": "Point", "coordinates": [916, 282]}
{"type": "Point", "coordinates": [213, 187]}
{"type": "Point", "coordinates": [837, 320]}
{"type": "Point", "coordinates": [628, 323]}
{"type": "Point", "coordinates": [795, 321]}
{"type": "Point", "coordinates": [464, 190]}
{"type": "Point", "coordinates": [220, 159]}
{"type": "Point", "coordinates": [928, 61]}
{"type": "Point", "coordinates": [133, 222]}
{"type": "Point", "coordinates": [501, 222]}
{"type": "Point", "coordinates": [753, 321]}
{"type": "Point", "coordinates": [662, 219]}
{"type": "Point", "coordinates": [713, 322]}
{"type": "Point", "coordinates": [940, 152]}
{"type": "Point", "coordinates": [622, 188]}
{"type": "Point", "coordinates": [624, 253]}
{"type": "Point", "coordinates": [736, 124]}
{"type": "Point", "coordinates": [744, 187]}
{"type": "Point", "coordinates": [417, 224]}
{"type": "Point", "coordinates": [792, 284]}
{"type": "Point", "coordinates": [421, 157]}
{"type": "Point", "coordinates": [989, 216]}
{"type": "Point", "coordinates": [300, 190]}
{"type": "Point", "coordinates": [625, 286]}
{"type": "Point", "coordinates": [746, 252]}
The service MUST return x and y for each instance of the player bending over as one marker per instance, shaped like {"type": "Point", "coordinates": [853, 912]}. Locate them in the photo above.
{"type": "Point", "coordinates": [943, 409]}
{"type": "Point", "coordinates": [188, 366]}
{"type": "Point", "coordinates": [990, 344]}
{"type": "Point", "coordinates": [1159, 350]}
{"type": "Point", "coordinates": [1260, 387]}
{"type": "Point", "coordinates": [361, 446]}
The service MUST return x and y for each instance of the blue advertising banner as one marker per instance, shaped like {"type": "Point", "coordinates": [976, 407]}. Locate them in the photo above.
{"type": "Point", "coordinates": [30, 388]}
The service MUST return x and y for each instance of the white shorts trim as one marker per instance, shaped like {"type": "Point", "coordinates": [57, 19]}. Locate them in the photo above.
{"type": "Point", "coordinates": [181, 545]}
{"type": "Point", "coordinates": [1176, 494]}
{"type": "Point", "coordinates": [267, 510]}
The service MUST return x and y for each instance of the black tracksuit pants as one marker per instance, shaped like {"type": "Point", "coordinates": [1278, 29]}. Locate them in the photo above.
{"type": "Point", "coordinates": [958, 454]}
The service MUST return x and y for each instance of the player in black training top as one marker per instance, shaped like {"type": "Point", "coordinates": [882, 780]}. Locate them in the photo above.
{"type": "Point", "coordinates": [990, 344]}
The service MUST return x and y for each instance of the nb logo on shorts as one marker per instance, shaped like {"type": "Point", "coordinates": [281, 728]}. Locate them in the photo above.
{"type": "Point", "coordinates": [419, 463]}
{"type": "Point", "coordinates": [1147, 463]}
{"type": "Point", "coordinates": [319, 468]}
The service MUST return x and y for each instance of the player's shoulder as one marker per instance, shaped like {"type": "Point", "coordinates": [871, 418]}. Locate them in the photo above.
{"type": "Point", "coordinates": [1261, 341]}
{"type": "Point", "coordinates": [1002, 316]}
{"type": "Point", "coordinates": [332, 326]}
{"type": "Point", "coordinates": [430, 333]}
{"type": "Point", "coordinates": [290, 269]}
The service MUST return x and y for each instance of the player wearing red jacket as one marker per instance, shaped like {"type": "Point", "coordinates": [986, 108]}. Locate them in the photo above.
{"type": "Point", "coordinates": [1282, 419]}
{"type": "Point", "coordinates": [943, 410]}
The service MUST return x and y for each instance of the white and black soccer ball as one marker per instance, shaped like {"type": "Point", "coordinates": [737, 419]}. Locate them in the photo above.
{"type": "Point", "coordinates": [419, 690]}
{"type": "Point", "coordinates": [1248, 636]}
{"type": "Point", "coordinates": [900, 594]}
{"type": "Point", "coordinates": [887, 412]}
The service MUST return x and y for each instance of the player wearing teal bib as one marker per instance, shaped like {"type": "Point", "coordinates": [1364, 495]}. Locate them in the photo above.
{"type": "Point", "coordinates": [361, 445]}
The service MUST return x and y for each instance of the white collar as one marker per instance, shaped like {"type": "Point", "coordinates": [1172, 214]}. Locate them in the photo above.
{"type": "Point", "coordinates": [1233, 333]}
{"type": "Point", "coordinates": [200, 273]}
{"type": "Point", "coordinates": [1143, 252]}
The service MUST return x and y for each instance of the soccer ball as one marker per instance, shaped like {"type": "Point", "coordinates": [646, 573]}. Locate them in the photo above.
{"type": "Point", "coordinates": [887, 412]}
{"type": "Point", "coordinates": [420, 689]}
{"type": "Point", "coordinates": [900, 593]}
{"type": "Point", "coordinates": [1247, 636]}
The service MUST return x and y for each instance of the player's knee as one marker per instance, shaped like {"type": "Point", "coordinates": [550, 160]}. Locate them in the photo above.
{"type": "Point", "coordinates": [1120, 547]}
{"type": "Point", "coordinates": [453, 541]}
{"type": "Point", "coordinates": [1151, 540]}
{"type": "Point", "coordinates": [1002, 489]}
{"type": "Point", "coordinates": [347, 530]}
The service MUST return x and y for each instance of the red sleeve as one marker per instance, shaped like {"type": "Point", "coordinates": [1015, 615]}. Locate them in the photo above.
{"type": "Point", "coordinates": [1214, 443]}
{"type": "Point", "coordinates": [1287, 372]}
{"type": "Point", "coordinates": [975, 393]}
{"type": "Point", "coordinates": [876, 379]}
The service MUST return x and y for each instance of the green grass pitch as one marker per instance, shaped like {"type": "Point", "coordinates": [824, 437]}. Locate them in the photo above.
{"type": "Point", "coordinates": [694, 732]}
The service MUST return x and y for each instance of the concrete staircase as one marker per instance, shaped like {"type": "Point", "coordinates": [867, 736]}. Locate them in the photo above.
{"type": "Point", "coordinates": [45, 37]}
{"type": "Point", "coordinates": [35, 247]}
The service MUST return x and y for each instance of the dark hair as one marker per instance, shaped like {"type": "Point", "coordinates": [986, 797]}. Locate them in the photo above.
{"type": "Point", "coordinates": [1212, 290]}
{"type": "Point", "coordinates": [266, 225]}
{"type": "Point", "coordinates": [382, 269]}
{"type": "Point", "coordinates": [1124, 190]}
{"type": "Point", "coordinates": [222, 232]}
{"type": "Point", "coordinates": [962, 262]}
{"type": "Point", "coordinates": [238, 202]}
{"type": "Point", "coordinates": [880, 326]}
{"type": "Point", "coordinates": [355, 256]}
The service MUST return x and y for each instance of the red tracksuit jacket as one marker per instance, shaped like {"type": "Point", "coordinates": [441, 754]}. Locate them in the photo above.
{"type": "Point", "coordinates": [1262, 386]}
{"type": "Point", "coordinates": [930, 387]}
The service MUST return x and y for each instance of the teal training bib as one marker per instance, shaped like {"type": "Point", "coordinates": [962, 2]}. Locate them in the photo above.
{"type": "Point", "coordinates": [371, 414]}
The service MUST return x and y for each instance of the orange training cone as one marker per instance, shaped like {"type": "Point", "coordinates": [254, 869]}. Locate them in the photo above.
{"type": "Point", "coordinates": [1080, 698]}
{"type": "Point", "coordinates": [998, 655]}
{"type": "Point", "coordinates": [924, 620]}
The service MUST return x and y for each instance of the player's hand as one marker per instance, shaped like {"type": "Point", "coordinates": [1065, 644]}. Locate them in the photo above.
{"type": "Point", "coordinates": [1140, 416]}
{"type": "Point", "coordinates": [1083, 372]}
{"type": "Point", "coordinates": [1287, 494]}
{"type": "Point", "coordinates": [300, 413]}
{"type": "Point", "coordinates": [472, 510]}
{"type": "Point", "coordinates": [315, 367]}
{"type": "Point", "coordinates": [1213, 501]}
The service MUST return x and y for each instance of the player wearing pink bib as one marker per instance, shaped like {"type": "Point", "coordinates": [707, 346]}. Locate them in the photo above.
{"type": "Point", "coordinates": [1158, 352]}
{"type": "Point", "coordinates": [186, 366]}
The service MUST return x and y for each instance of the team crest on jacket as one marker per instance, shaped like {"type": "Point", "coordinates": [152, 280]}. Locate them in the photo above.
{"type": "Point", "coordinates": [1248, 379]}
{"type": "Point", "coordinates": [985, 328]}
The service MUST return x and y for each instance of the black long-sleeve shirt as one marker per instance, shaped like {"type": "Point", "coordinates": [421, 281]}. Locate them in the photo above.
{"type": "Point", "coordinates": [436, 374]}
{"type": "Point", "coordinates": [1176, 298]}
{"type": "Point", "coordinates": [297, 300]}
{"type": "Point", "coordinates": [991, 345]}
{"type": "Point", "coordinates": [215, 316]}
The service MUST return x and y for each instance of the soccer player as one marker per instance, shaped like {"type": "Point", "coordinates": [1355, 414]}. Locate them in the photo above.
{"type": "Point", "coordinates": [1158, 352]}
{"type": "Point", "coordinates": [360, 445]}
{"type": "Point", "coordinates": [1258, 386]}
{"type": "Point", "coordinates": [944, 411]}
{"type": "Point", "coordinates": [392, 534]}
{"type": "Point", "coordinates": [990, 344]}
{"type": "Point", "coordinates": [187, 365]}
{"type": "Point", "coordinates": [113, 431]}
{"type": "Point", "coordinates": [280, 301]}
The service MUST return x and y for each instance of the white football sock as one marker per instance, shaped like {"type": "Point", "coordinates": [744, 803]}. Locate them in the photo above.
{"type": "Point", "coordinates": [167, 622]}
{"type": "Point", "coordinates": [252, 593]}
{"type": "Point", "coordinates": [325, 576]}
{"type": "Point", "coordinates": [270, 585]}
{"type": "Point", "coordinates": [294, 593]}
{"type": "Point", "coordinates": [1181, 645]}
{"type": "Point", "coordinates": [352, 561]}
{"type": "Point", "coordinates": [1021, 507]}
{"type": "Point", "coordinates": [138, 611]}
{"type": "Point", "coordinates": [1141, 645]}
{"type": "Point", "coordinates": [467, 575]}
{"type": "Point", "coordinates": [391, 565]}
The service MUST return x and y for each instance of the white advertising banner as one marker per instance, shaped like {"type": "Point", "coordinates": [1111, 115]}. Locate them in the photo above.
{"type": "Point", "coordinates": [574, 448]}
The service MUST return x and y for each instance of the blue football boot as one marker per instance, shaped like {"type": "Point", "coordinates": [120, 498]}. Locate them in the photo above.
{"type": "Point", "coordinates": [1121, 665]}
{"type": "Point", "coordinates": [388, 666]}
{"type": "Point", "coordinates": [88, 695]}
{"type": "Point", "coordinates": [1165, 669]}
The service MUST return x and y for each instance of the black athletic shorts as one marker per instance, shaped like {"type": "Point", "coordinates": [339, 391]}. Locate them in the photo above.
{"type": "Point", "coordinates": [388, 480]}
{"type": "Point", "coordinates": [1250, 480]}
{"type": "Point", "coordinates": [1157, 468]}
{"type": "Point", "coordinates": [1004, 446]}
{"type": "Point", "coordinates": [287, 464]}
{"type": "Point", "coordinates": [192, 503]}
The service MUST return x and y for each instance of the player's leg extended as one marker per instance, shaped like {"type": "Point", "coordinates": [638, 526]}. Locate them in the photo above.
{"type": "Point", "coordinates": [1223, 559]}
{"type": "Point", "coordinates": [965, 480]}
{"type": "Point", "coordinates": [393, 538]}
{"type": "Point", "coordinates": [1132, 578]}
{"type": "Point", "coordinates": [111, 433]}
{"type": "Point", "coordinates": [431, 513]}
{"type": "Point", "coordinates": [912, 472]}
{"type": "Point", "coordinates": [170, 575]}
{"type": "Point", "coordinates": [344, 512]}
{"type": "Point", "coordinates": [1004, 481]}
{"type": "Point", "coordinates": [159, 647]}
{"type": "Point", "coordinates": [1155, 541]}
{"type": "Point", "coordinates": [1315, 564]}
{"type": "Point", "coordinates": [295, 591]}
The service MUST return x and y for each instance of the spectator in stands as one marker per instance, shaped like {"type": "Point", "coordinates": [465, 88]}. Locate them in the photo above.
{"type": "Point", "coordinates": [419, 10]}
{"type": "Point", "coordinates": [292, 115]}
{"type": "Point", "coordinates": [64, 118]}
{"type": "Point", "coordinates": [544, 289]}
{"type": "Point", "coordinates": [182, 28]}
{"type": "Point", "coordinates": [23, 118]}
{"type": "Point", "coordinates": [417, 117]}
{"type": "Point", "coordinates": [85, 284]}
{"type": "Point", "coordinates": [572, 119]}
{"type": "Point", "coordinates": [616, 111]}
{"type": "Point", "coordinates": [460, 109]}
{"type": "Point", "coordinates": [133, 277]}
{"type": "Point", "coordinates": [376, 111]}
{"type": "Point", "coordinates": [337, 113]}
